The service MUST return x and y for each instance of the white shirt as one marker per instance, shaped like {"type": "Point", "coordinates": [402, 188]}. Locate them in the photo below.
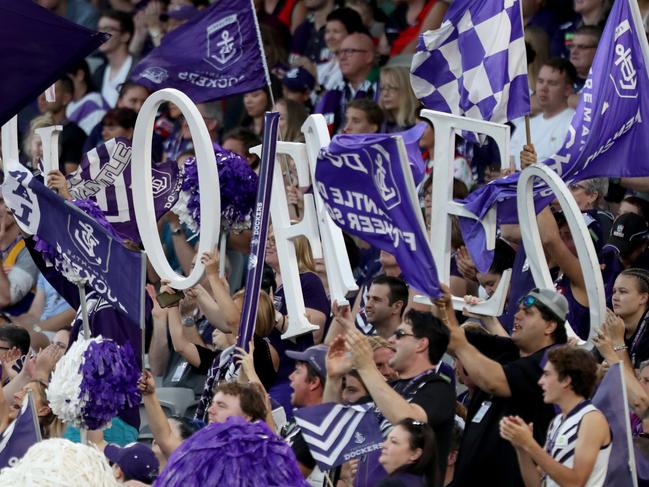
{"type": "Point", "coordinates": [562, 440]}
{"type": "Point", "coordinates": [110, 87]}
{"type": "Point", "coordinates": [548, 135]}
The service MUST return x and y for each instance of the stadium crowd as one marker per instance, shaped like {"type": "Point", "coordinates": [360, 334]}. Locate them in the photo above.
{"type": "Point", "coordinates": [462, 399]}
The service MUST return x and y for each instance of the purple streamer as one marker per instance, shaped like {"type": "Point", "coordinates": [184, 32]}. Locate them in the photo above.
{"type": "Point", "coordinates": [109, 385]}
{"type": "Point", "coordinates": [259, 231]}
{"type": "Point", "coordinates": [232, 453]}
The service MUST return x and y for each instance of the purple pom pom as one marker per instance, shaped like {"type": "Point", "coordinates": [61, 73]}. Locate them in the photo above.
{"type": "Point", "coordinates": [234, 453]}
{"type": "Point", "coordinates": [109, 385]}
{"type": "Point", "coordinates": [238, 184]}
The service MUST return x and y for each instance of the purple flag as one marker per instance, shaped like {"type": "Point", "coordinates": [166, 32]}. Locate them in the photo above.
{"type": "Point", "coordinates": [216, 54]}
{"type": "Point", "coordinates": [259, 231]}
{"type": "Point", "coordinates": [84, 248]}
{"type": "Point", "coordinates": [104, 176]}
{"type": "Point", "coordinates": [605, 136]}
{"type": "Point", "coordinates": [38, 48]}
{"type": "Point", "coordinates": [337, 434]}
{"type": "Point", "coordinates": [368, 190]}
{"type": "Point", "coordinates": [21, 434]}
{"type": "Point", "coordinates": [610, 399]}
{"type": "Point", "coordinates": [475, 63]}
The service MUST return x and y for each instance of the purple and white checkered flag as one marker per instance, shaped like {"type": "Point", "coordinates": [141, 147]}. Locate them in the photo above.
{"type": "Point", "coordinates": [475, 64]}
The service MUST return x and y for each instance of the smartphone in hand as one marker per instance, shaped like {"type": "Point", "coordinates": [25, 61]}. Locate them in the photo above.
{"type": "Point", "coordinates": [169, 299]}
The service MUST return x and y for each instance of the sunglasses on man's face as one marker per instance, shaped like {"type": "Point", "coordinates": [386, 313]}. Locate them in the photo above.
{"type": "Point", "coordinates": [528, 301]}
{"type": "Point", "coordinates": [399, 334]}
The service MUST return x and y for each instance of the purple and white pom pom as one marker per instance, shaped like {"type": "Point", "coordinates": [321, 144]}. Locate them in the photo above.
{"type": "Point", "coordinates": [238, 184]}
{"type": "Point", "coordinates": [109, 385]}
{"type": "Point", "coordinates": [63, 391]}
{"type": "Point", "coordinates": [93, 382]}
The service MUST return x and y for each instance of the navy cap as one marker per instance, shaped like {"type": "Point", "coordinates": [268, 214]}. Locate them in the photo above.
{"type": "Point", "coordinates": [137, 461]}
{"type": "Point", "coordinates": [298, 79]}
{"type": "Point", "coordinates": [315, 356]}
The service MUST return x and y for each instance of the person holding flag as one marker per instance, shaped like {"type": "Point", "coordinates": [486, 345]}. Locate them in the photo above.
{"type": "Point", "coordinates": [506, 385]}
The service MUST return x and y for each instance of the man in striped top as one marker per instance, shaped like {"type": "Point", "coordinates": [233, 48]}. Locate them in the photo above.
{"type": "Point", "coordinates": [578, 443]}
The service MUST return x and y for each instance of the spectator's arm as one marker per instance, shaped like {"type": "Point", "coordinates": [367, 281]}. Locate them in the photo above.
{"type": "Point", "coordinates": [529, 470]}
{"type": "Point", "coordinates": [342, 321]}
{"type": "Point", "coordinates": [5, 289]}
{"type": "Point", "coordinates": [181, 345]}
{"type": "Point", "coordinates": [393, 406]}
{"type": "Point", "coordinates": [159, 347]}
{"type": "Point", "coordinates": [593, 433]}
{"type": "Point", "coordinates": [338, 364]}
{"type": "Point", "coordinates": [637, 184]}
{"type": "Point", "coordinates": [229, 312]}
{"type": "Point", "coordinates": [35, 311]}
{"type": "Point", "coordinates": [487, 374]}
{"type": "Point", "coordinates": [210, 308]}
{"type": "Point", "coordinates": [240, 241]}
{"type": "Point", "coordinates": [184, 251]}
{"type": "Point", "coordinates": [59, 321]}
{"type": "Point", "coordinates": [158, 422]}
{"type": "Point", "coordinates": [566, 260]}
{"type": "Point", "coordinates": [4, 410]}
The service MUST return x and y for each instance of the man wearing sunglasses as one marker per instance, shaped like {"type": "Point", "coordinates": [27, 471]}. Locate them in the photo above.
{"type": "Point", "coordinates": [423, 391]}
{"type": "Point", "coordinates": [506, 372]}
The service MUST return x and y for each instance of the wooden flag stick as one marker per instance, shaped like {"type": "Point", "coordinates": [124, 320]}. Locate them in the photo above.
{"type": "Point", "coordinates": [528, 132]}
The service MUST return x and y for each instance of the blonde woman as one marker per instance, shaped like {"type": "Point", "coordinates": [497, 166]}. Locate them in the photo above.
{"type": "Point", "coordinates": [397, 100]}
{"type": "Point", "coordinates": [33, 145]}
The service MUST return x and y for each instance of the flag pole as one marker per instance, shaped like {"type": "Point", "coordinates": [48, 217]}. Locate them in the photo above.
{"type": "Point", "coordinates": [528, 131]}
{"type": "Point", "coordinates": [83, 432]}
{"type": "Point", "coordinates": [84, 311]}
{"type": "Point", "coordinates": [37, 426]}
{"type": "Point", "coordinates": [263, 53]}
{"type": "Point", "coordinates": [222, 250]}
{"type": "Point", "coordinates": [142, 318]}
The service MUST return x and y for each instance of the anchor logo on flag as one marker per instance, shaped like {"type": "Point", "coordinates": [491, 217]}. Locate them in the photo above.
{"type": "Point", "coordinates": [224, 42]}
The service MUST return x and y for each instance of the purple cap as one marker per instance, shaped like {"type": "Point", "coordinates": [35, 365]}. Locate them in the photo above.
{"type": "Point", "coordinates": [180, 12]}
{"type": "Point", "coordinates": [137, 461]}
{"type": "Point", "coordinates": [299, 79]}
{"type": "Point", "coordinates": [315, 356]}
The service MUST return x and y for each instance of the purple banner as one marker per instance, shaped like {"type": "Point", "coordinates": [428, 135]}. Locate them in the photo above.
{"type": "Point", "coordinates": [84, 248]}
{"type": "Point", "coordinates": [216, 54]}
{"type": "Point", "coordinates": [368, 192]}
{"type": "Point", "coordinates": [259, 231]}
{"type": "Point", "coordinates": [610, 399]}
{"type": "Point", "coordinates": [104, 176]}
{"type": "Point", "coordinates": [606, 138]}
{"type": "Point", "coordinates": [21, 434]}
{"type": "Point", "coordinates": [38, 48]}
{"type": "Point", "coordinates": [337, 434]}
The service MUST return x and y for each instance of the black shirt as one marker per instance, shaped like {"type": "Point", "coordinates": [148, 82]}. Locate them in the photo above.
{"type": "Point", "coordinates": [638, 343]}
{"type": "Point", "coordinates": [484, 455]}
{"type": "Point", "coordinates": [436, 396]}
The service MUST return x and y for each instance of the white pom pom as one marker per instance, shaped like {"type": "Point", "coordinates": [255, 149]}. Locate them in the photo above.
{"type": "Point", "coordinates": [63, 391]}
{"type": "Point", "coordinates": [184, 216]}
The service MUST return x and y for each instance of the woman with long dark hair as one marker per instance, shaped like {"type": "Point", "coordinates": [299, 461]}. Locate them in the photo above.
{"type": "Point", "coordinates": [409, 455]}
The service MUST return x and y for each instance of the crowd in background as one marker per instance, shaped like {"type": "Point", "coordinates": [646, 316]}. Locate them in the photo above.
{"type": "Point", "coordinates": [462, 399]}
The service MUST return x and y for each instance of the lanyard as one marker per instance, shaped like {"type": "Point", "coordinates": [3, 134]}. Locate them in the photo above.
{"type": "Point", "coordinates": [555, 436]}
{"type": "Point", "coordinates": [638, 334]}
